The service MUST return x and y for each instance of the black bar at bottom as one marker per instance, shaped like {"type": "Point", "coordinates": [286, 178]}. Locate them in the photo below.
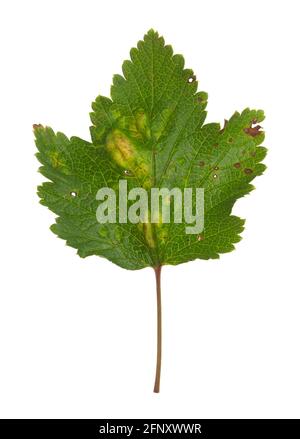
{"type": "Point", "coordinates": [151, 428]}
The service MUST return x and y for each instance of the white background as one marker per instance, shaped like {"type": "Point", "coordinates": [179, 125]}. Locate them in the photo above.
{"type": "Point", "coordinates": [77, 336]}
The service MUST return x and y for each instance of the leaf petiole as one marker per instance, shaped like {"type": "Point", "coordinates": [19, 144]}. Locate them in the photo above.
{"type": "Point", "coordinates": [159, 331]}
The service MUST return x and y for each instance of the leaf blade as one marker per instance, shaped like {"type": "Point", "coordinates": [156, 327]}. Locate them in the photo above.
{"type": "Point", "coordinates": [152, 133]}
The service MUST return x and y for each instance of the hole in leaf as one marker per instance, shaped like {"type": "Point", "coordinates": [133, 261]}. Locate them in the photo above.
{"type": "Point", "coordinates": [215, 175]}
{"type": "Point", "coordinates": [127, 172]}
{"type": "Point", "coordinates": [73, 194]}
{"type": "Point", "coordinates": [191, 79]}
{"type": "Point", "coordinates": [200, 238]}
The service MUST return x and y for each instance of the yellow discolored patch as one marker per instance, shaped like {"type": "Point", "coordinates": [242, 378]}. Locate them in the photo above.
{"type": "Point", "coordinates": [161, 232]}
{"type": "Point", "coordinates": [142, 125]}
{"type": "Point", "coordinates": [148, 233]}
{"type": "Point", "coordinates": [129, 155]}
{"type": "Point", "coordinates": [120, 147]}
{"type": "Point", "coordinates": [56, 160]}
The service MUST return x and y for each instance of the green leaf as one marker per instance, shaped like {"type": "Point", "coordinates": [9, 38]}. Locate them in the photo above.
{"type": "Point", "coordinates": [152, 133]}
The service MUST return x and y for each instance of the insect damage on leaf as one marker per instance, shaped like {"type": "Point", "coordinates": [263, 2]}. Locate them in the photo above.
{"type": "Point", "coordinates": [253, 130]}
{"type": "Point", "coordinates": [151, 133]}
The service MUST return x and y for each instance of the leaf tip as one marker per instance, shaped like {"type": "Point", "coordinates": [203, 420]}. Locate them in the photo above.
{"type": "Point", "coordinates": [152, 33]}
{"type": "Point", "coordinates": [36, 127]}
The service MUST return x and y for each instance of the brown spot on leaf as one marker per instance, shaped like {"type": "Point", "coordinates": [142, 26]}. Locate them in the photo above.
{"type": "Point", "coordinates": [201, 163]}
{"type": "Point", "coordinates": [37, 125]}
{"type": "Point", "coordinates": [200, 238]}
{"type": "Point", "coordinates": [237, 165]}
{"type": "Point", "coordinates": [215, 145]}
{"type": "Point", "coordinates": [248, 171]}
{"type": "Point", "coordinates": [253, 130]}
